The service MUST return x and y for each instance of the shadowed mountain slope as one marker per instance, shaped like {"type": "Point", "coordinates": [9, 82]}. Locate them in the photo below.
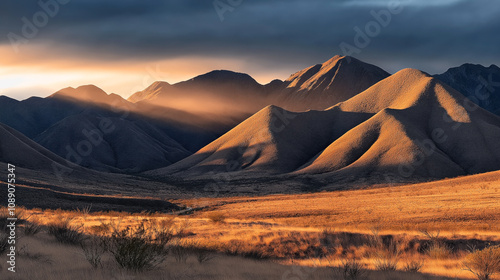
{"type": "Point", "coordinates": [478, 83]}
{"type": "Point", "coordinates": [17, 149]}
{"type": "Point", "coordinates": [409, 125]}
{"type": "Point", "coordinates": [106, 142]}
{"type": "Point", "coordinates": [138, 142]}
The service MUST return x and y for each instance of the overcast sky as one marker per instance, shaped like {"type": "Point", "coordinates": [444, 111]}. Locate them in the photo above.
{"type": "Point", "coordinates": [124, 45]}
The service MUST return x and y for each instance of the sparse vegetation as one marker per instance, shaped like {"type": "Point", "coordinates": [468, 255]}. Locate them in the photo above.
{"type": "Point", "coordinates": [85, 210]}
{"type": "Point", "coordinates": [290, 227]}
{"type": "Point", "coordinates": [66, 233]}
{"type": "Point", "coordinates": [139, 248]}
{"type": "Point", "coordinates": [414, 265]}
{"type": "Point", "coordinates": [204, 255]}
{"type": "Point", "coordinates": [93, 250]}
{"type": "Point", "coordinates": [180, 251]}
{"type": "Point", "coordinates": [385, 263]}
{"type": "Point", "coordinates": [31, 227]}
{"type": "Point", "coordinates": [351, 269]}
{"type": "Point", "coordinates": [484, 263]}
{"type": "Point", "coordinates": [438, 250]}
{"type": "Point", "coordinates": [217, 217]}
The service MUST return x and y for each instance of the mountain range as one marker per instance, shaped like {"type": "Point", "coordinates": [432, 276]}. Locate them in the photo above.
{"type": "Point", "coordinates": [409, 124]}
{"type": "Point", "coordinates": [340, 119]}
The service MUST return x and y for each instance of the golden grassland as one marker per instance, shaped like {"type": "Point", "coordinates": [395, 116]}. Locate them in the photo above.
{"type": "Point", "coordinates": [434, 224]}
{"type": "Point", "coordinates": [456, 205]}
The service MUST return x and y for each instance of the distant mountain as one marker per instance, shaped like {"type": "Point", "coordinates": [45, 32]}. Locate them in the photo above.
{"type": "Point", "coordinates": [138, 142]}
{"type": "Point", "coordinates": [90, 94]}
{"type": "Point", "coordinates": [35, 114]}
{"type": "Point", "coordinates": [222, 82]}
{"type": "Point", "coordinates": [409, 125]}
{"type": "Point", "coordinates": [152, 92]}
{"type": "Point", "coordinates": [324, 85]}
{"type": "Point", "coordinates": [219, 92]}
{"type": "Point", "coordinates": [17, 149]}
{"type": "Point", "coordinates": [480, 84]}
{"type": "Point", "coordinates": [316, 87]}
{"type": "Point", "coordinates": [106, 142]}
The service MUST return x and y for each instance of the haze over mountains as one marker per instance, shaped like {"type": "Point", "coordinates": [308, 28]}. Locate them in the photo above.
{"type": "Point", "coordinates": [126, 141]}
{"type": "Point", "coordinates": [223, 121]}
{"type": "Point", "coordinates": [409, 124]}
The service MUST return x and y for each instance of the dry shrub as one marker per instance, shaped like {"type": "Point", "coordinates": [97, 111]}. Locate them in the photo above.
{"type": "Point", "coordinates": [93, 251]}
{"type": "Point", "coordinates": [180, 250]}
{"type": "Point", "coordinates": [203, 251]}
{"type": "Point", "coordinates": [101, 229]}
{"type": "Point", "coordinates": [141, 247]}
{"type": "Point", "coordinates": [295, 245]}
{"type": "Point", "coordinates": [386, 264]}
{"type": "Point", "coordinates": [414, 265]}
{"type": "Point", "coordinates": [85, 210]}
{"type": "Point", "coordinates": [438, 250]}
{"type": "Point", "coordinates": [217, 217]}
{"type": "Point", "coordinates": [204, 255]}
{"type": "Point", "coordinates": [351, 269]}
{"type": "Point", "coordinates": [66, 233]}
{"type": "Point", "coordinates": [387, 258]}
{"type": "Point", "coordinates": [484, 263]}
{"type": "Point", "coordinates": [32, 227]}
{"type": "Point", "coordinates": [233, 247]}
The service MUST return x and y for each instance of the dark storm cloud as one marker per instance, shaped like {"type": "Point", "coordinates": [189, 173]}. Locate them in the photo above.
{"type": "Point", "coordinates": [428, 35]}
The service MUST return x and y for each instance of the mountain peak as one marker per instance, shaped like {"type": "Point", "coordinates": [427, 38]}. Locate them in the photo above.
{"type": "Point", "coordinates": [150, 92]}
{"type": "Point", "coordinates": [89, 93]}
{"type": "Point", "coordinates": [222, 76]}
{"type": "Point", "coordinates": [411, 73]}
{"type": "Point", "coordinates": [159, 84]}
{"type": "Point", "coordinates": [402, 90]}
{"type": "Point", "coordinates": [4, 98]}
{"type": "Point", "coordinates": [337, 58]}
{"type": "Point", "coordinates": [324, 85]}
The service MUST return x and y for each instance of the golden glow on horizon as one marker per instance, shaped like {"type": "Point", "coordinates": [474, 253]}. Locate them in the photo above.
{"type": "Point", "coordinates": [33, 72]}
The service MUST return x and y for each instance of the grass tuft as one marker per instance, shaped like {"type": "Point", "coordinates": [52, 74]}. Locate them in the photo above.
{"type": "Point", "coordinates": [66, 233]}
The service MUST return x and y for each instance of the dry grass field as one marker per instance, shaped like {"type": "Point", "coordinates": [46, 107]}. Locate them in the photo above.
{"type": "Point", "coordinates": [422, 231]}
{"type": "Point", "coordinates": [42, 258]}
